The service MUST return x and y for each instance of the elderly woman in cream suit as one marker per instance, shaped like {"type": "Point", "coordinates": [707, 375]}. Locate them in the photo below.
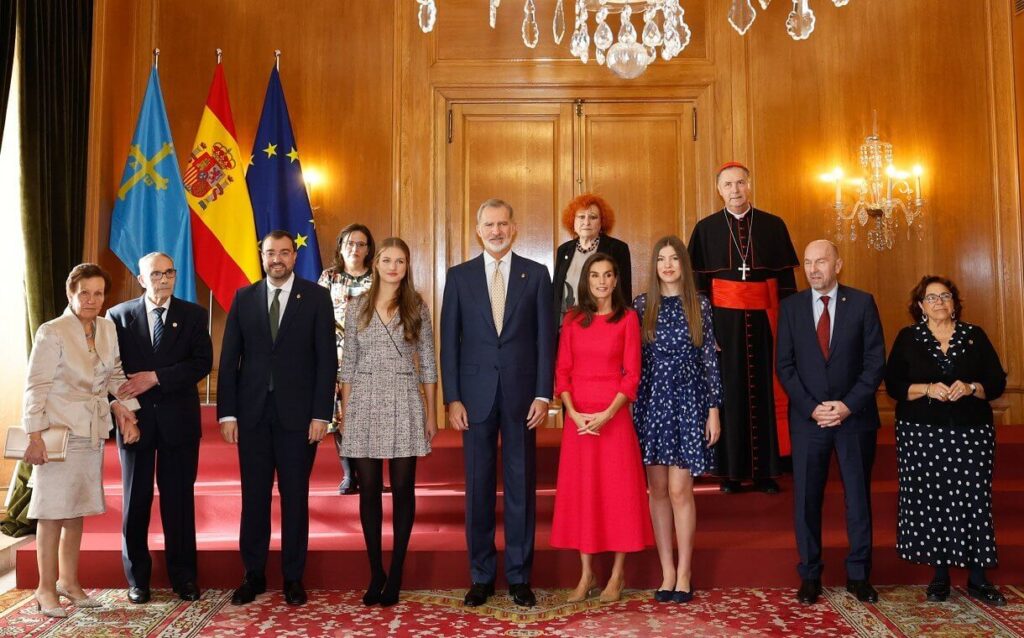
{"type": "Point", "coordinates": [75, 364]}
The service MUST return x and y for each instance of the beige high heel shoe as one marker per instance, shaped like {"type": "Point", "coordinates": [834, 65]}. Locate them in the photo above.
{"type": "Point", "coordinates": [51, 612]}
{"type": "Point", "coordinates": [577, 596]}
{"type": "Point", "coordinates": [82, 603]}
{"type": "Point", "coordinates": [609, 595]}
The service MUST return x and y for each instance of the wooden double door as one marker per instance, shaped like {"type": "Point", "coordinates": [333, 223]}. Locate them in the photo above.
{"type": "Point", "coordinates": [640, 156]}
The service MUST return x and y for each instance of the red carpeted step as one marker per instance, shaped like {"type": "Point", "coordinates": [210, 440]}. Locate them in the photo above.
{"type": "Point", "coordinates": [742, 540]}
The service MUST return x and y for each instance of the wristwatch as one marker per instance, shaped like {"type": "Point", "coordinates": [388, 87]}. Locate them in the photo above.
{"type": "Point", "coordinates": [974, 388]}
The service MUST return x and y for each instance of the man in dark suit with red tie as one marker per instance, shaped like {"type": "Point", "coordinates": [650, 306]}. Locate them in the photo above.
{"type": "Point", "coordinates": [166, 351]}
{"type": "Point", "coordinates": [831, 360]}
{"type": "Point", "coordinates": [275, 397]}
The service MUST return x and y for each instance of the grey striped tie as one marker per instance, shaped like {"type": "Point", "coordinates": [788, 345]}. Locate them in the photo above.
{"type": "Point", "coordinates": [158, 327]}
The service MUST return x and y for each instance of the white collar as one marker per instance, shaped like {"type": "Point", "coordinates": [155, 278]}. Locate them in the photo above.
{"type": "Point", "coordinates": [287, 286]}
{"type": "Point", "coordinates": [740, 215]}
{"type": "Point", "coordinates": [488, 259]}
{"type": "Point", "coordinates": [150, 306]}
{"type": "Point", "coordinates": [831, 294]}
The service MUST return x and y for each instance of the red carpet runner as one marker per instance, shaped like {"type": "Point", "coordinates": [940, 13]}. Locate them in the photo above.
{"type": "Point", "coordinates": [743, 540]}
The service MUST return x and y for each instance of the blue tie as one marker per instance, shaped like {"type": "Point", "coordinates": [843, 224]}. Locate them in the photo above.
{"type": "Point", "coordinates": [158, 328]}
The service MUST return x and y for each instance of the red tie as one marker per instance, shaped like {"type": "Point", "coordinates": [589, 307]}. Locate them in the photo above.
{"type": "Point", "coordinates": [824, 324]}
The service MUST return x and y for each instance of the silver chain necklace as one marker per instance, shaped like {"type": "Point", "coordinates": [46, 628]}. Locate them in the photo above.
{"type": "Point", "coordinates": [744, 269]}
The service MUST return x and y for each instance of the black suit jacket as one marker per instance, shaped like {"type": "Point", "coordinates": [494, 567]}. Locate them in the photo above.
{"type": "Point", "coordinates": [303, 359]}
{"type": "Point", "coordinates": [619, 251]}
{"type": "Point", "coordinates": [183, 359]}
{"type": "Point", "coordinates": [856, 361]}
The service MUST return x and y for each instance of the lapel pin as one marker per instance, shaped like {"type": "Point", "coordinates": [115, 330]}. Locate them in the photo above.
{"type": "Point", "coordinates": [522, 275]}
{"type": "Point", "coordinates": [844, 298]}
{"type": "Point", "coordinates": [174, 325]}
{"type": "Point", "coordinates": [298, 296]}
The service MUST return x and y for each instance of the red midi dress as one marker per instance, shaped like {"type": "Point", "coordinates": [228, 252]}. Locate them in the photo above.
{"type": "Point", "coordinates": [601, 498]}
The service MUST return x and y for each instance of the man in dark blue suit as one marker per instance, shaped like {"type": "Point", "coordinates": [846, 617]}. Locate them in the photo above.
{"type": "Point", "coordinates": [275, 397]}
{"type": "Point", "coordinates": [166, 351]}
{"type": "Point", "coordinates": [497, 368]}
{"type": "Point", "coordinates": [830, 360]}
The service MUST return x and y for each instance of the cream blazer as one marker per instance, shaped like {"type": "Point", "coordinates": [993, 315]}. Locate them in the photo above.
{"type": "Point", "coordinates": [65, 386]}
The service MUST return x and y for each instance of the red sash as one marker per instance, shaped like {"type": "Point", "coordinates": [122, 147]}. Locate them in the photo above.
{"type": "Point", "coordinates": [758, 295]}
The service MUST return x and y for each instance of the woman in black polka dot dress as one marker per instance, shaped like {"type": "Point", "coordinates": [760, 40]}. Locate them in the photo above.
{"type": "Point", "coordinates": [943, 372]}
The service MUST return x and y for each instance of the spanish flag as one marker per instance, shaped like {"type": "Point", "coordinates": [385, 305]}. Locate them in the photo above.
{"type": "Point", "coordinates": [223, 229]}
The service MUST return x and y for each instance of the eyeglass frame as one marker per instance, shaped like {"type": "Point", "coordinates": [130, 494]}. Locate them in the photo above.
{"type": "Point", "coordinates": [157, 275]}
{"type": "Point", "coordinates": [348, 243]}
{"type": "Point", "coordinates": [933, 298]}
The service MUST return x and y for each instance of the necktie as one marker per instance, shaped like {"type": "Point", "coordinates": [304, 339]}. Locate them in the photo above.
{"type": "Point", "coordinates": [275, 314]}
{"type": "Point", "coordinates": [824, 326]}
{"type": "Point", "coordinates": [498, 296]}
{"type": "Point", "coordinates": [158, 328]}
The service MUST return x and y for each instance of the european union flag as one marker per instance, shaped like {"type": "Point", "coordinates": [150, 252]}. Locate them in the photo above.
{"type": "Point", "coordinates": [276, 188]}
{"type": "Point", "coordinates": [150, 213]}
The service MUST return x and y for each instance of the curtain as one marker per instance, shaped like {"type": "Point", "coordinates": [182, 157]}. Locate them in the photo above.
{"type": "Point", "coordinates": [7, 30]}
{"type": "Point", "coordinates": [56, 51]}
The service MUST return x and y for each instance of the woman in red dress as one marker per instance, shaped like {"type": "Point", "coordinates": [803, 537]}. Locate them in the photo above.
{"type": "Point", "coordinates": [601, 501]}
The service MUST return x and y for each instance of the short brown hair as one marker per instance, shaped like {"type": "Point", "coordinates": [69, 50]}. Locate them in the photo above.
{"type": "Point", "coordinates": [586, 200]}
{"type": "Point", "coordinates": [917, 295]}
{"type": "Point", "coordinates": [86, 271]}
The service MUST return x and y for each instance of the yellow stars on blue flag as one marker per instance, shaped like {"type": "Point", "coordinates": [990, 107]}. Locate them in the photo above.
{"type": "Point", "coordinates": [271, 150]}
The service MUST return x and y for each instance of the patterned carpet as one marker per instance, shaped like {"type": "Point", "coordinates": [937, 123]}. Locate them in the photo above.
{"type": "Point", "coordinates": [902, 611]}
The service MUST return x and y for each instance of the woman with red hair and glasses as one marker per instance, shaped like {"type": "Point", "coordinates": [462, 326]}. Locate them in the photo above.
{"type": "Point", "coordinates": [589, 219]}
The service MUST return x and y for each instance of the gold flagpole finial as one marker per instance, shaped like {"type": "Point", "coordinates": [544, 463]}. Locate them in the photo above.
{"type": "Point", "coordinates": [277, 59]}
{"type": "Point", "coordinates": [220, 54]}
{"type": "Point", "coordinates": [156, 58]}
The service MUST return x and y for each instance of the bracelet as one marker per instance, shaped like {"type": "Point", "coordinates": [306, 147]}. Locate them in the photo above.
{"type": "Point", "coordinates": [926, 389]}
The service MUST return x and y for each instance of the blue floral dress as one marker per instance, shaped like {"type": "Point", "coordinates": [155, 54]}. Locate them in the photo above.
{"type": "Point", "coordinates": [679, 383]}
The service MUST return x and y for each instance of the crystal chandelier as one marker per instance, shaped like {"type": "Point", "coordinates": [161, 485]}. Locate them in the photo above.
{"type": "Point", "coordinates": [882, 197]}
{"type": "Point", "coordinates": [629, 55]}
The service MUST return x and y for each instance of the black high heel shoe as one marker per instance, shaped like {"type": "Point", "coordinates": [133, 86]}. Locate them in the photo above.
{"type": "Point", "coordinates": [389, 595]}
{"type": "Point", "coordinates": [373, 592]}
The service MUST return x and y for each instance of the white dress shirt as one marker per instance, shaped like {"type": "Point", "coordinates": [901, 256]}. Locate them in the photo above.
{"type": "Point", "coordinates": [817, 306]}
{"type": "Point", "coordinates": [286, 291]}
{"type": "Point", "coordinates": [151, 316]}
{"type": "Point", "coordinates": [506, 268]}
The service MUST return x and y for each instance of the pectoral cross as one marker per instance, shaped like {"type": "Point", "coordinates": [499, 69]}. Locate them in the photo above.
{"type": "Point", "coordinates": [744, 269]}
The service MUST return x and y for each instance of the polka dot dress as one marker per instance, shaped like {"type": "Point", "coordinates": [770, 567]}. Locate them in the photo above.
{"type": "Point", "coordinates": [945, 484]}
{"type": "Point", "coordinates": [679, 383]}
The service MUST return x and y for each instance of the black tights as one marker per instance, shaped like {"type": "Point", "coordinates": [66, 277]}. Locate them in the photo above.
{"type": "Point", "coordinates": [976, 574]}
{"type": "Point", "coordinates": [370, 473]}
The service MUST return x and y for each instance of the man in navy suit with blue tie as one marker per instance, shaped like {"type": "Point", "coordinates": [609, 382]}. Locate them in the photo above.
{"type": "Point", "coordinates": [497, 366]}
{"type": "Point", "coordinates": [831, 360]}
{"type": "Point", "coordinates": [166, 350]}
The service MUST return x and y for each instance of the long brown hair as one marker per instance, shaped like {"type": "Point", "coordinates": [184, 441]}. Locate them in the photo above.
{"type": "Point", "coordinates": [586, 308]}
{"type": "Point", "coordinates": [687, 293]}
{"type": "Point", "coordinates": [406, 300]}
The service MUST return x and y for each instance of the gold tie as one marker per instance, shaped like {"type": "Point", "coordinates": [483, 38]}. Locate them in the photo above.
{"type": "Point", "coordinates": [498, 296]}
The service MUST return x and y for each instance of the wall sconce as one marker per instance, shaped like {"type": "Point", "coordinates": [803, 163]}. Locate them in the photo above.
{"type": "Point", "coordinates": [882, 196]}
{"type": "Point", "coordinates": [314, 179]}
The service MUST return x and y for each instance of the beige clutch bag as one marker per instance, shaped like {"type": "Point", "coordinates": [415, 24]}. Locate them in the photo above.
{"type": "Point", "coordinates": [55, 437]}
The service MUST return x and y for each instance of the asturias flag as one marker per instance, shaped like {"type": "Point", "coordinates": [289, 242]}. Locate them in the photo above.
{"type": "Point", "coordinates": [227, 256]}
{"type": "Point", "coordinates": [276, 188]}
{"type": "Point", "coordinates": [150, 213]}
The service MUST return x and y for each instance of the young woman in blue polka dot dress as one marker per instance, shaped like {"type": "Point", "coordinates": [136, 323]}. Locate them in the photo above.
{"type": "Point", "coordinates": [942, 372]}
{"type": "Point", "coordinates": [676, 411]}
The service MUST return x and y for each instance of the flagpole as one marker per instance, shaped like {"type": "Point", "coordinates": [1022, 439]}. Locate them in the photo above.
{"type": "Point", "coordinates": [156, 58]}
{"type": "Point", "coordinates": [220, 54]}
{"type": "Point", "coordinates": [277, 59]}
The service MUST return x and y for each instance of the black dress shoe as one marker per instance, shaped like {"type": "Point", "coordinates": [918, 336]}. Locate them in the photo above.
{"type": "Point", "coordinates": [478, 594]}
{"type": "Point", "coordinates": [730, 487]}
{"type": "Point", "coordinates": [139, 595]}
{"type": "Point", "coordinates": [389, 596]}
{"type": "Point", "coordinates": [987, 594]}
{"type": "Point", "coordinates": [863, 590]}
{"type": "Point", "coordinates": [767, 486]}
{"type": "Point", "coordinates": [252, 585]}
{"type": "Point", "coordinates": [938, 591]}
{"type": "Point", "coordinates": [663, 595]}
{"type": "Point", "coordinates": [188, 591]}
{"type": "Point", "coordinates": [522, 595]}
{"type": "Point", "coordinates": [294, 594]}
{"type": "Point", "coordinates": [682, 596]}
{"type": "Point", "coordinates": [809, 591]}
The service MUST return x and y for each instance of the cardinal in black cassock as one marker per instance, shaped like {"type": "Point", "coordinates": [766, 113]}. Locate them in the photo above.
{"type": "Point", "coordinates": [743, 259]}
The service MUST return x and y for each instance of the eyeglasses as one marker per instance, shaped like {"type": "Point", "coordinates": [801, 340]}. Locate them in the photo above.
{"type": "Point", "coordinates": [933, 298]}
{"type": "Point", "coordinates": [283, 254]}
{"type": "Point", "coordinates": [356, 244]}
{"type": "Point", "coordinates": [157, 275]}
